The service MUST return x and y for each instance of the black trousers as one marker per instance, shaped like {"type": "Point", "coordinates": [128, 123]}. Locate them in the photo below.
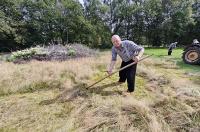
{"type": "Point", "coordinates": [129, 74]}
{"type": "Point", "coordinates": [169, 52]}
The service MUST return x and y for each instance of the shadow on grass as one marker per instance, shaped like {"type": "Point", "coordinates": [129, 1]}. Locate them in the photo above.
{"type": "Point", "coordinates": [80, 91]}
{"type": "Point", "coordinates": [100, 89]}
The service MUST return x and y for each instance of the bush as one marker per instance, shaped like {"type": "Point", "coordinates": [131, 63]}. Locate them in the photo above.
{"type": "Point", "coordinates": [25, 54]}
{"type": "Point", "coordinates": [71, 52]}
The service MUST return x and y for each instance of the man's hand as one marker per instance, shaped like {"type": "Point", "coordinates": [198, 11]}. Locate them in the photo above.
{"type": "Point", "coordinates": [136, 59]}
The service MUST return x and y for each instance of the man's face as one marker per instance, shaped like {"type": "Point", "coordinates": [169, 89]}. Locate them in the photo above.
{"type": "Point", "coordinates": [116, 42]}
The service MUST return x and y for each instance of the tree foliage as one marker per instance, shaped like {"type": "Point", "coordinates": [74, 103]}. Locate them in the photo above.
{"type": "Point", "coordinates": [25, 23]}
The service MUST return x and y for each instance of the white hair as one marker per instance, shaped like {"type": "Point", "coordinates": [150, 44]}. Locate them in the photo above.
{"type": "Point", "coordinates": [116, 36]}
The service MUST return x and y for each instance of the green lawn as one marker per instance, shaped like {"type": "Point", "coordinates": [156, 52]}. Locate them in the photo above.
{"type": "Point", "coordinates": [160, 52]}
{"type": "Point", "coordinates": [176, 56]}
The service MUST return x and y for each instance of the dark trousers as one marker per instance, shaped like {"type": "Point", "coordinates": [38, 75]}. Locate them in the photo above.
{"type": "Point", "coordinates": [129, 74]}
{"type": "Point", "coordinates": [169, 52]}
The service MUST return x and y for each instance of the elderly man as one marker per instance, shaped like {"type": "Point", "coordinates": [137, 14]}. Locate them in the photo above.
{"type": "Point", "coordinates": [195, 41]}
{"type": "Point", "coordinates": [129, 52]}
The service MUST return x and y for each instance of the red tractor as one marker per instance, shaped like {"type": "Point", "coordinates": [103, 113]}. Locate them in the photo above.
{"type": "Point", "coordinates": [191, 54]}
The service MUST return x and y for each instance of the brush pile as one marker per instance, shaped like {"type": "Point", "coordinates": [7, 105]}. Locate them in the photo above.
{"type": "Point", "coordinates": [51, 53]}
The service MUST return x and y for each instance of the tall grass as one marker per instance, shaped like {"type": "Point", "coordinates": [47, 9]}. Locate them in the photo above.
{"type": "Point", "coordinates": [41, 75]}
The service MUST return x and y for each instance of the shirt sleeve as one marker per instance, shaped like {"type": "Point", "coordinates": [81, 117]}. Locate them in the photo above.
{"type": "Point", "coordinates": [114, 54]}
{"type": "Point", "coordinates": [175, 45]}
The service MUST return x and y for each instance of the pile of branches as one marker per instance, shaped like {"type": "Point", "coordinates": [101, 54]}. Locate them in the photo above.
{"type": "Point", "coordinates": [52, 53]}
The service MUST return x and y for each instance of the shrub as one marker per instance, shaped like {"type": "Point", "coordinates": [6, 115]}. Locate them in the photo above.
{"type": "Point", "coordinates": [25, 54]}
{"type": "Point", "coordinates": [71, 52]}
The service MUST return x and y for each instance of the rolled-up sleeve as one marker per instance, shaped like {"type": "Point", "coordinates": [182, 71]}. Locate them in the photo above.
{"type": "Point", "coordinates": [114, 54]}
{"type": "Point", "coordinates": [139, 48]}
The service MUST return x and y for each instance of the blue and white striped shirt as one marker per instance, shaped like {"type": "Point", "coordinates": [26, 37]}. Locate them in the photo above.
{"type": "Point", "coordinates": [126, 51]}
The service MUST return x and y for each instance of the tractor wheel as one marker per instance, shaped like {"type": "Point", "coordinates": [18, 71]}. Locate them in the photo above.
{"type": "Point", "coordinates": [191, 55]}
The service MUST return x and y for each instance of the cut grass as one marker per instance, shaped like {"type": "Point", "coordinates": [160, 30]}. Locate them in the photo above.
{"type": "Point", "coordinates": [24, 113]}
{"type": "Point", "coordinates": [159, 103]}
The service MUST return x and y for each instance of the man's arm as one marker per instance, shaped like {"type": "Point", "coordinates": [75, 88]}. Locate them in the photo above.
{"type": "Point", "coordinates": [141, 53]}
{"type": "Point", "coordinates": [175, 45]}
{"type": "Point", "coordinates": [112, 62]}
{"type": "Point", "coordinates": [111, 66]}
{"type": "Point", "coordinates": [139, 50]}
{"type": "Point", "coordinates": [137, 58]}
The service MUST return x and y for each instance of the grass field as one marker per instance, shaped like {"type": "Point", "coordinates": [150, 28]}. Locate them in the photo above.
{"type": "Point", "coordinates": [52, 96]}
{"type": "Point", "coordinates": [176, 57]}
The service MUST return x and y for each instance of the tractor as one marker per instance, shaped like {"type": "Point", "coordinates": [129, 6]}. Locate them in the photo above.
{"type": "Point", "coordinates": [191, 54]}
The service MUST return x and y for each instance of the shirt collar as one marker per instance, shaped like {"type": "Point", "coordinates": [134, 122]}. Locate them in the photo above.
{"type": "Point", "coordinates": [121, 46]}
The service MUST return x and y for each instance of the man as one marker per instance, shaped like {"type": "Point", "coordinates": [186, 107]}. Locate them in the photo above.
{"type": "Point", "coordinates": [171, 47]}
{"type": "Point", "coordinates": [129, 52]}
{"type": "Point", "coordinates": [195, 41]}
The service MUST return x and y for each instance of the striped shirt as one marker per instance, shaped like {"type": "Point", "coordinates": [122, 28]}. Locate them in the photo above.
{"type": "Point", "coordinates": [126, 51]}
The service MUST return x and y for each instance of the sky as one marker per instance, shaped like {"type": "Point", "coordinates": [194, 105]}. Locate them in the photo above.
{"type": "Point", "coordinates": [81, 1]}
